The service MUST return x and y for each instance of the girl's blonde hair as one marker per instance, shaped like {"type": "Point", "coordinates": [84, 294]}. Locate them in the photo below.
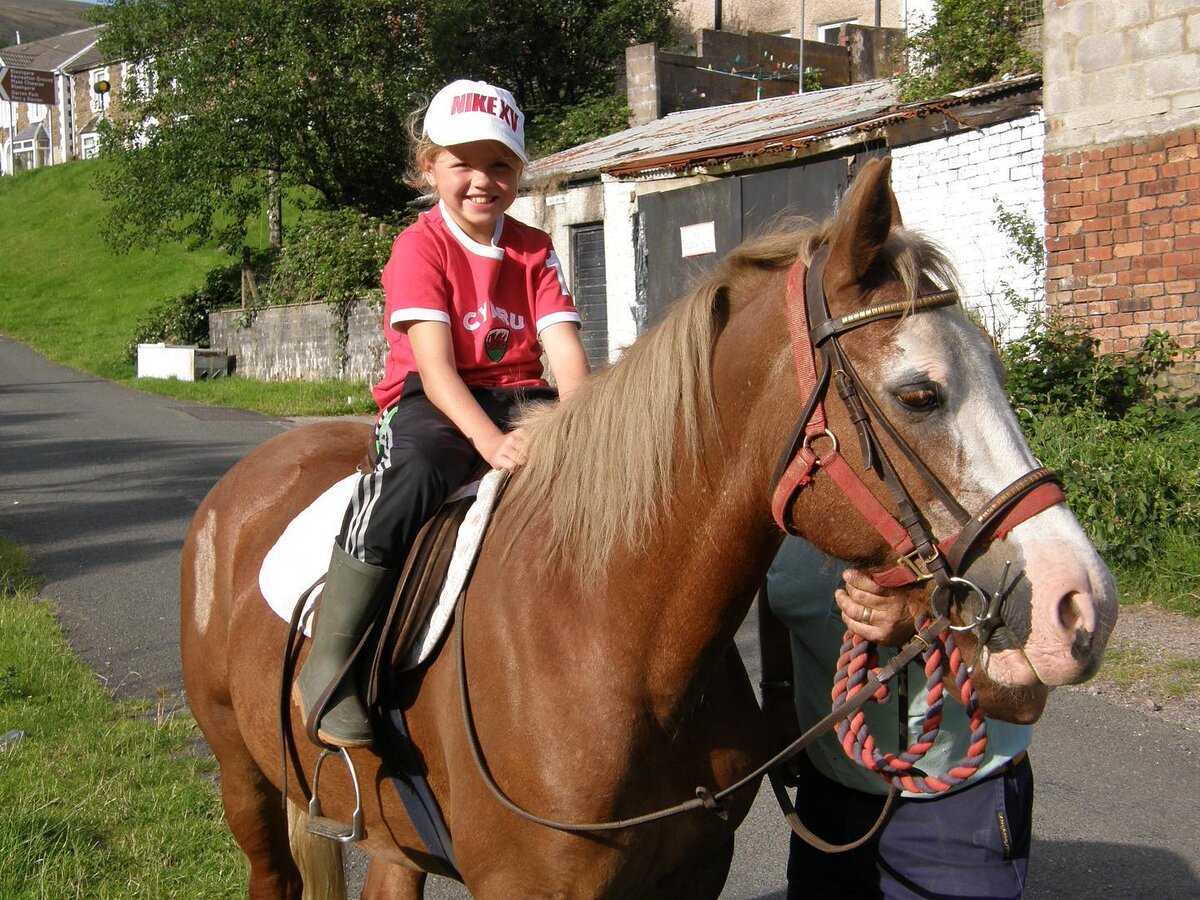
{"type": "Point", "coordinates": [422, 152]}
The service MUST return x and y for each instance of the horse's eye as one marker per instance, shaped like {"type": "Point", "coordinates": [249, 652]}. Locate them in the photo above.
{"type": "Point", "coordinates": [919, 399]}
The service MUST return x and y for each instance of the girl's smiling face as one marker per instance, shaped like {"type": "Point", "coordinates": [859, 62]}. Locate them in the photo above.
{"type": "Point", "coordinates": [476, 182]}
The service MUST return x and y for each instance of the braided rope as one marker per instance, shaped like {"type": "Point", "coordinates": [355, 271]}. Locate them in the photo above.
{"type": "Point", "coordinates": [858, 659]}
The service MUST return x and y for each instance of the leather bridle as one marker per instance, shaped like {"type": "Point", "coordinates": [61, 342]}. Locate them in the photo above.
{"type": "Point", "coordinates": [921, 557]}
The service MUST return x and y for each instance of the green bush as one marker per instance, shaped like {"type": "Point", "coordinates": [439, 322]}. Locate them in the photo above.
{"type": "Point", "coordinates": [557, 128]}
{"type": "Point", "coordinates": [1131, 481]}
{"type": "Point", "coordinates": [1056, 366]}
{"type": "Point", "coordinates": [969, 42]}
{"type": "Point", "coordinates": [184, 319]}
{"type": "Point", "coordinates": [334, 256]}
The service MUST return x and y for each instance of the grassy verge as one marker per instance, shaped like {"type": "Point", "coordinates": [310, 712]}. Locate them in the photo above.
{"type": "Point", "coordinates": [1171, 676]}
{"type": "Point", "coordinates": [63, 292]}
{"type": "Point", "coordinates": [1171, 580]}
{"type": "Point", "coordinates": [100, 799]}
{"type": "Point", "coordinates": [285, 399]}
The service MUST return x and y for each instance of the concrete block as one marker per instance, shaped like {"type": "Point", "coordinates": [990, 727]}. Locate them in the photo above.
{"type": "Point", "coordinates": [1100, 51]}
{"type": "Point", "coordinates": [1129, 13]}
{"type": "Point", "coordinates": [1074, 19]}
{"type": "Point", "coordinates": [1164, 8]}
{"type": "Point", "coordinates": [1185, 101]}
{"type": "Point", "coordinates": [1167, 76]}
{"type": "Point", "coordinates": [1155, 40]}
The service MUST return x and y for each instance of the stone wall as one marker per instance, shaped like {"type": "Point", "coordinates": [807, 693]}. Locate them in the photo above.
{"type": "Point", "coordinates": [953, 190]}
{"type": "Point", "coordinates": [1122, 94]}
{"type": "Point", "coordinates": [301, 343]}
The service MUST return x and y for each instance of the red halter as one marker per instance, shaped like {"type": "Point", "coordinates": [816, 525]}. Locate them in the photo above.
{"type": "Point", "coordinates": [920, 556]}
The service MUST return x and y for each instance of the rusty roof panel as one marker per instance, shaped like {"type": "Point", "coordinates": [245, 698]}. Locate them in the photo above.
{"type": "Point", "coordinates": [724, 133]}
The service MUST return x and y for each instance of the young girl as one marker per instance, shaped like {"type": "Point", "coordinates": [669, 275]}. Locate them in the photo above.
{"type": "Point", "coordinates": [473, 298]}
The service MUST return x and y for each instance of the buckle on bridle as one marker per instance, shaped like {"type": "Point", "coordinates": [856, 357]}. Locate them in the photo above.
{"type": "Point", "coordinates": [918, 564]}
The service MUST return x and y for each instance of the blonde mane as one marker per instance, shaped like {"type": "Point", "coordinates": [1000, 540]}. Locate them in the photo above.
{"type": "Point", "coordinates": [602, 465]}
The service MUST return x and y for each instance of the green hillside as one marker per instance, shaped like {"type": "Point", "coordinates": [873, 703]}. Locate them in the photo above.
{"type": "Point", "coordinates": [61, 289]}
{"type": "Point", "coordinates": [37, 19]}
{"type": "Point", "coordinates": [63, 292]}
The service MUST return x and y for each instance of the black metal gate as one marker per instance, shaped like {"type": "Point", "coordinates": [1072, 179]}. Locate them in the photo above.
{"type": "Point", "coordinates": [589, 289]}
{"type": "Point", "coordinates": [719, 215]}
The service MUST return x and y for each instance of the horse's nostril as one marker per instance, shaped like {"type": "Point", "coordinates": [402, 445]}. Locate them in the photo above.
{"type": "Point", "coordinates": [1069, 613]}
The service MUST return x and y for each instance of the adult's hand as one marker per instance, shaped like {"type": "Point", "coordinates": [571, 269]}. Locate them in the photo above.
{"type": "Point", "coordinates": [877, 614]}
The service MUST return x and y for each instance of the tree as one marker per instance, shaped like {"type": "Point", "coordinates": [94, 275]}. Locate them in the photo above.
{"type": "Point", "coordinates": [551, 53]}
{"type": "Point", "coordinates": [560, 57]}
{"type": "Point", "coordinates": [234, 99]}
{"type": "Point", "coordinates": [969, 42]}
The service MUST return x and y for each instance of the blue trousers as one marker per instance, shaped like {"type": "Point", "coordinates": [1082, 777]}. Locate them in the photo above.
{"type": "Point", "coordinates": [968, 845]}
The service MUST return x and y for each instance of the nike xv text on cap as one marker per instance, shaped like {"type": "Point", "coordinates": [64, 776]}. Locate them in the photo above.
{"type": "Point", "coordinates": [465, 111]}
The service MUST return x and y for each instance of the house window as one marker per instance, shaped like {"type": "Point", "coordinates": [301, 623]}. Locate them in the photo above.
{"type": "Point", "coordinates": [830, 32]}
{"type": "Point", "coordinates": [26, 155]}
{"type": "Point", "coordinates": [89, 145]}
{"type": "Point", "coordinates": [143, 75]}
{"type": "Point", "coordinates": [99, 100]}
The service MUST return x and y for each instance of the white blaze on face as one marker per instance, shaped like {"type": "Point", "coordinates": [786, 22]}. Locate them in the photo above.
{"type": "Point", "coordinates": [1073, 595]}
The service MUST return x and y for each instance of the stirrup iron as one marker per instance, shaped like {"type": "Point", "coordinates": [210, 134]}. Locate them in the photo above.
{"type": "Point", "coordinates": [332, 829]}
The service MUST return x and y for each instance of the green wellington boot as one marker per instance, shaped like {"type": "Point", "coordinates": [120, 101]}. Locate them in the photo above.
{"type": "Point", "coordinates": [352, 592]}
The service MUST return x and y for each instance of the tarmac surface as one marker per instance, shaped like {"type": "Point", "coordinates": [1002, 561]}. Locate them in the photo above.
{"type": "Point", "coordinates": [99, 482]}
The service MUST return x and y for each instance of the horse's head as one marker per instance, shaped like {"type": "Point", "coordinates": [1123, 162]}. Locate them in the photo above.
{"type": "Point", "coordinates": [934, 450]}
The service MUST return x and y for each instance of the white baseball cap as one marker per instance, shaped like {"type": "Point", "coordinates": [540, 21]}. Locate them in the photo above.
{"type": "Point", "coordinates": [465, 111]}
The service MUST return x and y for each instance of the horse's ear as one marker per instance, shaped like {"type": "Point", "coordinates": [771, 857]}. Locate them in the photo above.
{"type": "Point", "coordinates": [857, 246]}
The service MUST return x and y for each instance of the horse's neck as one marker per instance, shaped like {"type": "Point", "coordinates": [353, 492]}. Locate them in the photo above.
{"type": "Point", "coordinates": [672, 609]}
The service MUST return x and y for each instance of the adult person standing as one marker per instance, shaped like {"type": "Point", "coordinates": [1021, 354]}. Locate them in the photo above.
{"type": "Point", "coordinates": [971, 842]}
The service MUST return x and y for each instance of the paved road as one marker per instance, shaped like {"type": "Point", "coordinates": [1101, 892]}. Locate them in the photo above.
{"type": "Point", "coordinates": [99, 483]}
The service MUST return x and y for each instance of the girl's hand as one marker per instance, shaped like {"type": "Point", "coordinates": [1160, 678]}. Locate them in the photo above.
{"type": "Point", "coordinates": [878, 614]}
{"type": "Point", "coordinates": [505, 451]}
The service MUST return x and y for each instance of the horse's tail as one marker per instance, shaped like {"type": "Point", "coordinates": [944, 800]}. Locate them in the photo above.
{"type": "Point", "coordinates": [318, 859]}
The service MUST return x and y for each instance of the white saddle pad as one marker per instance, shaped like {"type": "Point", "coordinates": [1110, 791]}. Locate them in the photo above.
{"type": "Point", "coordinates": [301, 556]}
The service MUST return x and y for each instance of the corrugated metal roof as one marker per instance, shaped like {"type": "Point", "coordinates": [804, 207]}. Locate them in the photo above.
{"type": "Point", "coordinates": [724, 133]}
{"type": "Point", "coordinates": [50, 53]}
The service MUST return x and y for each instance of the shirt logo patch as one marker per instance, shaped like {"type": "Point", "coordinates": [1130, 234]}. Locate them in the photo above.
{"type": "Point", "coordinates": [495, 344]}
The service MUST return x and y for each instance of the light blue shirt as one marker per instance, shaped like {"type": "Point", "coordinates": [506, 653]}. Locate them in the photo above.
{"type": "Point", "coordinates": [801, 584]}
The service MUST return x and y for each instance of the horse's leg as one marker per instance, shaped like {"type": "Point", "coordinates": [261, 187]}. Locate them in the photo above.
{"type": "Point", "coordinates": [702, 878]}
{"type": "Point", "coordinates": [253, 809]}
{"type": "Point", "coordinates": [387, 881]}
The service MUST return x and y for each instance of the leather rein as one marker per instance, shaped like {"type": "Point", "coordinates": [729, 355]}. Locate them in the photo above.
{"type": "Point", "coordinates": [921, 557]}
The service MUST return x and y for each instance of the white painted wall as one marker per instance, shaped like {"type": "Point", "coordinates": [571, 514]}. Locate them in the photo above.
{"type": "Point", "coordinates": [952, 190]}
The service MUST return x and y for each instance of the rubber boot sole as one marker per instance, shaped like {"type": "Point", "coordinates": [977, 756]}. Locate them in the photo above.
{"type": "Point", "coordinates": [325, 737]}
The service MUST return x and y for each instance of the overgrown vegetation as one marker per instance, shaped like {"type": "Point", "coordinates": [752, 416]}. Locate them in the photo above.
{"type": "Point", "coordinates": [1128, 451]}
{"type": "Point", "coordinates": [232, 101]}
{"type": "Point", "coordinates": [968, 42]}
{"type": "Point", "coordinates": [101, 799]}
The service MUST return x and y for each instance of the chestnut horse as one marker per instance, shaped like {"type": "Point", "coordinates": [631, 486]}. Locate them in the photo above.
{"type": "Point", "coordinates": [598, 627]}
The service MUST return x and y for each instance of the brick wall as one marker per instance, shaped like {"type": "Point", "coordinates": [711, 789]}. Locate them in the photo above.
{"type": "Point", "coordinates": [1122, 91]}
{"type": "Point", "coordinates": [1123, 238]}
